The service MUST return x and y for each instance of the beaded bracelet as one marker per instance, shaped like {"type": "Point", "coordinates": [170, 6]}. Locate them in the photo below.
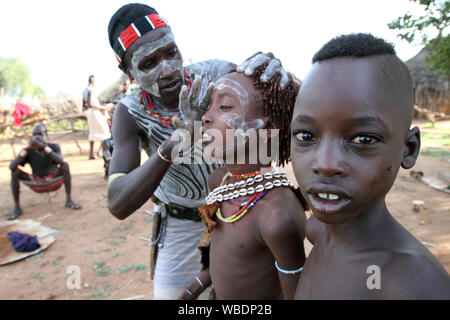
{"type": "Point", "coordinates": [288, 271]}
{"type": "Point", "coordinates": [201, 283]}
{"type": "Point", "coordinates": [161, 156]}
{"type": "Point", "coordinates": [190, 293]}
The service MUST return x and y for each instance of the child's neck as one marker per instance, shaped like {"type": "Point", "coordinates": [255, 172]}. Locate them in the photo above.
{"type": "Point", "coordinates": [363, 230]}
{"type": "Point", "coordinates": [245, 168]}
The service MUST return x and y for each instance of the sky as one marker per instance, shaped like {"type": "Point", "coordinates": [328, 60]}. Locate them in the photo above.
{"type": "Point", "coordinates": [63, 42]}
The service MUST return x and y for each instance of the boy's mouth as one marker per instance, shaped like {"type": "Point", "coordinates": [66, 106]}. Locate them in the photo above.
{"type": "Point", "coordinates": [206, 139]}
{"type": "Point", "coordinates": [327, 199]}
{"type": "Point", "coordinates": [328, 196]}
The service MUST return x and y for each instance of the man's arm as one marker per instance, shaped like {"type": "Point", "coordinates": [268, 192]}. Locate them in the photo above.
{"type": "Point", "coordinates": [197, 286]}
{"type": "Point", "coordinates": [134, 184]}
{"type": "Point", "coordinates": [282, 229]}
{"type": "Point", "coordinates": [20, 159]}
{"type": "Point", "coordinates": [313, 229]}
{"type": "Point", "coordinates": [54, 154]}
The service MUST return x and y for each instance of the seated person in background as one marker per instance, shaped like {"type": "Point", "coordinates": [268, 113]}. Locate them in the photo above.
{"type": "Point", "coordinates": [257, 233]}
{"type": "Point", "coordinates": [350, 135]}
{"type": "Point", "coordinates": [47, 165]}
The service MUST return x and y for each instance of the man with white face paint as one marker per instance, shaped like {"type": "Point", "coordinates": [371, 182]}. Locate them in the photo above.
{"type": "Point", "coordinates": [146, 50]}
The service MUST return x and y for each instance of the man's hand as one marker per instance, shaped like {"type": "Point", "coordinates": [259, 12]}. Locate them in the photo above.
{"type": "Point", "coordinates": [273, 67]}
{"type": "Point", "coordinates": [193, 104]}
{"type": "Point", "coordinates": [38, 143]}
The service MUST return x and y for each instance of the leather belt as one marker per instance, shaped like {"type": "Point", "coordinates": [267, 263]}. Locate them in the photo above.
{"type": "Point", "coordinates": [182, 213]}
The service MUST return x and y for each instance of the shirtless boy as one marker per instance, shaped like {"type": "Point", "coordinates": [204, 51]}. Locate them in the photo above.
{"type": "Point", "coordinates": [350, 135]}
{"type": "Point", "coordinates": [249, 243]}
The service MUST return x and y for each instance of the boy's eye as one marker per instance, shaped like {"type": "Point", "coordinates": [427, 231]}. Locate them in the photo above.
{"type": "Point", "coordinates": [304, 136]}
{"type": "Point", "coordinates": [225, 108]}
{"type": "Point", "coordinates": [364, 139]}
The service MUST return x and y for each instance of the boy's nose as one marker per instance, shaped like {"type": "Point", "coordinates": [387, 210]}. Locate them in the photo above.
{"type": "Point", "coordinates": [329, 160]}
{"type": "Point", "coordinates": [206, 118]}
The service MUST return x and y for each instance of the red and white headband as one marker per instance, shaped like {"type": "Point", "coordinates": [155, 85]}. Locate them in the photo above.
{"type": "Point", "coordinates": [136, 30]}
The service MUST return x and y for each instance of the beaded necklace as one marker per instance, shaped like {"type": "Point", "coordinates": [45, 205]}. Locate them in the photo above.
{"type": "Point", "coordinates": [247, 179]}
{"type": "Point", "coordinates": [245, 175]}
{"type": "Point", "coordinates": [243, 187]}
{"type": "Point", "coordinates": [239, 214]}
{"type": "Point", "coordinates": [240, 202]}
{"type": "Point", "coordinates": [164, 116]}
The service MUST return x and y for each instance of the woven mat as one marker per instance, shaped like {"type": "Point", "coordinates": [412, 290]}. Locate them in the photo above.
{"type": "Point", "coordinates": [45, 236]}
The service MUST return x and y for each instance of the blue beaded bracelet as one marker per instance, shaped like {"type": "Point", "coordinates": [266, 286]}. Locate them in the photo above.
{"type": "Point", "coordinates": [288, 271]}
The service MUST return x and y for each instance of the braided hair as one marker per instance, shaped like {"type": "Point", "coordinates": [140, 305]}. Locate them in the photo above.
{"type": "Point", "coordinates": [279, 107]}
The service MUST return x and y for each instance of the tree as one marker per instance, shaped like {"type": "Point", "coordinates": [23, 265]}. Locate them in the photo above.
{"type": "Point", "coordinates": [436, 19]}
{"type": "Point", "coordinates": [15, 79]}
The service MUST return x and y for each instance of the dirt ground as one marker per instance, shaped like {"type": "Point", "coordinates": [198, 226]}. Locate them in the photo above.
{"type": "Point", "coordinates": [113, 255]}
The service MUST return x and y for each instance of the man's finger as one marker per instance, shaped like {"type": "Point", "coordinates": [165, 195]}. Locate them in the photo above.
{"type": "Point", "coordinates": [244, 64]}
{"type": "Point", "coordinates": [284, 80]}
{"type": "Point", "coordinates": [176, 121]}
{"type": "Point", "coordinates": [205, 101]}
{"type": "Point", "coordinates": [255, 62]}
{"type": "Point", "coordinates": [195, 92]}
{"type": "Point", "coordinates": [183, 101]}
{"type": "Point", "coordinates": [273, 67]}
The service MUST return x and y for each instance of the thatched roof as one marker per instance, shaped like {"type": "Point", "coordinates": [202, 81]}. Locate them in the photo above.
{"type": "Point", "coordinates": [431, 90]}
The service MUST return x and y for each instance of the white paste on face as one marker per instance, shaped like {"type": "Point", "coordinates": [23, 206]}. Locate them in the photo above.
{"type": "Point", "coordinates": [148, 80]}
{"type": "Point", "coordinates": [241, 129]}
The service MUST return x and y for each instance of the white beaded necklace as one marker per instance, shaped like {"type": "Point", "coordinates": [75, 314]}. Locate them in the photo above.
{"type": "Point", "coordinates": [243, 187]}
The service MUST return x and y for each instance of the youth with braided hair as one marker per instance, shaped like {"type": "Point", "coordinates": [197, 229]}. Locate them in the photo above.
{"type": "Point", "coordinates": [146, 50]}
{"type": "Point", "coordinates": [254, 218]}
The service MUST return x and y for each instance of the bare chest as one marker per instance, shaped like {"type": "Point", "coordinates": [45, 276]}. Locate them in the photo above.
{"type": "Point", "coordinates": [333, 273]}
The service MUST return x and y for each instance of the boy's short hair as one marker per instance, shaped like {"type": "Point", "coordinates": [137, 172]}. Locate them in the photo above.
{"type": "Point", "coordinates": [354, 45]}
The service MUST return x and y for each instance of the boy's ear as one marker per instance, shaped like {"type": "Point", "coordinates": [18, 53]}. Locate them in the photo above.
{"type": "Point", "coordinates": [412, 148]}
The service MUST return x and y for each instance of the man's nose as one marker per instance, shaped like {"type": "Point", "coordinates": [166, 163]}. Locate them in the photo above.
{"type": "Point", "coordinates": [167, 71]}
{"type": "Point", "coordinates": [330, 159]}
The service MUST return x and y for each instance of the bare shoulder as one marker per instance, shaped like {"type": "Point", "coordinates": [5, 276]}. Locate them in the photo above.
{"type": "Point", "coordinates": [215, 178]}
{"type": "Point", "coordinates": [281, 211]}
{"type": "Point", "coordinates": [414, 273]}
{"type": "Point", "coordinates": [313, 229]}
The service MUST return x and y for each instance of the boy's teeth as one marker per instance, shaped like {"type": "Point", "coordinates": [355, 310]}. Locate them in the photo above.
{"type": "Point", "coordinates": [333, 197]}
{"type": "Point", "coordinates": [328, 196]}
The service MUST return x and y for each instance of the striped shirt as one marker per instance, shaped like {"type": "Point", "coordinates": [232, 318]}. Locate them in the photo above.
{"type": "Point", "coordinates": [186, 185]}
{"type": "Point", "coordinates": [183, 184]}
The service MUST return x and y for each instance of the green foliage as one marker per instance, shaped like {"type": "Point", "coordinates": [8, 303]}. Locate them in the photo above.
{"type": "Point", "coordinates": [432, 152]}
{"type": "Point", "coordinates": [436, 138]}
{"type": "Point", "coordinates": [101, 270]}
{"type": "Point", "coordinates": [436, 19]}
{"type": "Point", "coordinates": [15, 79]}
{"type": "Point", "coordinates": [128, 267]}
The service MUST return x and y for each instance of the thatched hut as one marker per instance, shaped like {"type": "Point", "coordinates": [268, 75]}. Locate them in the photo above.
{"type": "Point", "coordinates": [431, 90]}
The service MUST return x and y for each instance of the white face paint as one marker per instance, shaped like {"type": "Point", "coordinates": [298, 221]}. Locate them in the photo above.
{"type": "Point", "coordinates": [148, 80]}
{"type": "Point", "coordinates": [237, 121]}
{"type": "Point", "coordinates": [241, 130]}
